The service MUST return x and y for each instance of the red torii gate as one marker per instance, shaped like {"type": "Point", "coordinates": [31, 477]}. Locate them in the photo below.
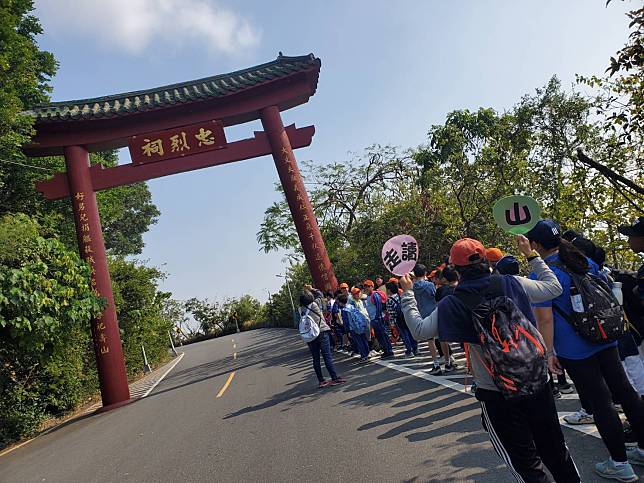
{"type": "Point", "coordinates": [172, 129]}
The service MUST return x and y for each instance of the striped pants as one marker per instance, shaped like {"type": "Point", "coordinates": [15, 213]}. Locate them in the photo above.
{"type": "Point", "coordinates": [526, 434]}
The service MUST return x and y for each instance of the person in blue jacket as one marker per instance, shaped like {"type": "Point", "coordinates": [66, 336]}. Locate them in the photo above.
{"type": "Point", "coordinates": [595, 368]}
{"type": "Point", "coordinates": [356, 323]}
{"type": "Point", "coordinates": [375, 308]}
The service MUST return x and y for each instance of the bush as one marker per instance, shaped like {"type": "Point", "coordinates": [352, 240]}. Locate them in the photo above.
{"type": "Point", "coordinates": [47, 362]}
{"type": "Point", "coordinates": [46, 304]}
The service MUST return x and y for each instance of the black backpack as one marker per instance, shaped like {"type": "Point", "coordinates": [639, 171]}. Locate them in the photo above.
{"type": "Point", "coordinates": [400, 317]}
{"type": "Point", "coordinates": [602, 319]}
{"type": "Point", "coordinates": [513, 349]}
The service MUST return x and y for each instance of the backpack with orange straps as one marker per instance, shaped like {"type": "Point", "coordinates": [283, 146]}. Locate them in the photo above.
{"type": "Point", "coordinates": [514, 352]}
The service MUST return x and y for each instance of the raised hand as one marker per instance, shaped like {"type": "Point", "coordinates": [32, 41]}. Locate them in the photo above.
{"type": "Point", "coordinates": [406, 283]}
{"type": "Point", "coordinates": [524, 245]}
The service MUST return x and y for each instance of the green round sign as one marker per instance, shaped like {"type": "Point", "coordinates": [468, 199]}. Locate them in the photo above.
{"type": "Point", "coordinates": [516, 214]}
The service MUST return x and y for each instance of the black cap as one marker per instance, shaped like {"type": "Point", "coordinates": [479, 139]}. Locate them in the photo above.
{"type": "Point", "coordinates": [508, 265]}
{"type": "Point", "coordinates": [546, 232]}
{"type": "Point", "coordinates": [636, 229]}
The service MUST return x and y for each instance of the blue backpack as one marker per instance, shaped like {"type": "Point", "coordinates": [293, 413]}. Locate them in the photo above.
{"type": "Point", "coordinates": [358, 323]}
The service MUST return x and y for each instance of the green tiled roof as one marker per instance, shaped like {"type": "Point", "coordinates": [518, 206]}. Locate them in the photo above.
{"type": "Point", "coordinates": [166, 96]}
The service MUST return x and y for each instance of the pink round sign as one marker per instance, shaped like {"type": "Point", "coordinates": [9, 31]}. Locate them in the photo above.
{"type": "Point", "coordinates": [400, 254]}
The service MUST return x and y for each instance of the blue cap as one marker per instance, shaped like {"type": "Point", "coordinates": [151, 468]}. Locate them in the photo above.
{"type": "Point", "coordinates": [546, 232]}
{"type": "Point", "coordinates": [508, 265]}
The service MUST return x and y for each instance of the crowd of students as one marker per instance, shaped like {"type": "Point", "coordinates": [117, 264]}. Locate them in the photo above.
{"type": "Point", "coordinates": [478, 299]}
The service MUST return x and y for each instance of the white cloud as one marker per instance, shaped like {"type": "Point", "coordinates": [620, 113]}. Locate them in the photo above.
{"type": "Point", "coordinates": [137, 25]}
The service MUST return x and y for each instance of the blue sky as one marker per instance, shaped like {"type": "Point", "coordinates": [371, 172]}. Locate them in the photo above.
{"type": "Point", "coordinates": [389, 71]}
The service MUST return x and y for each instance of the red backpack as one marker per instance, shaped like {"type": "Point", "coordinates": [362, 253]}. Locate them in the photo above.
{"type": "Point", "coordinates": [383, 297]}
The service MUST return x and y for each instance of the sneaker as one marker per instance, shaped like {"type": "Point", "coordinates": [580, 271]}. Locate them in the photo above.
{"type": "Point", "coordinates": [364, 359]}
{"type": "Point", "coordinates": [618, 408]}
{"type": "Point", "coordinates": [449, 368]}
{"type": "Point", "coordinates": [623, 472]}
{"type": "Point", "coordinates": [580, 417]}
{"type": "Point", "coordinates": [337, 381]}
{"type": "Point", "coordinates": [436, 371]}
{"type": "Point", "coordinates": [324, 384]}
{"type": "Point", "coordinates": [565, 388]}
{"type": "Point", "coordinates": [417, 353]}
{"type": "Point", "coordinates": [635, 456]}
{"type": "Point", "coordinates": [387, 356]}
{"type": "Point", "coordinates": [556, 394]}
{"type": "Point", "coordinates": [411, 355]}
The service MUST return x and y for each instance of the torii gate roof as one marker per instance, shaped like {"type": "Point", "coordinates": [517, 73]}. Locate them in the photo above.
{"type": "Point", "coordinates": [108, 122]}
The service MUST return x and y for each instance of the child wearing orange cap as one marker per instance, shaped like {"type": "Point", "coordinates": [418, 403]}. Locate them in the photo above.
{"type": "Point", "coordinates": [493, 255]}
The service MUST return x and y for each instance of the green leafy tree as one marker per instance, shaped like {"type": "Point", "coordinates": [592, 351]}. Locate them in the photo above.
{"type": "Point", "coordinates": [469, 162]}
{"type": "Point", "coordinates": [342, 193]}
{"type": "Point", "coordinates": [209, 315]}
{"type": "Point", "coordinates": [244, 309]}
{"type": "Point", "coordinates": [279, 307]}
{"type": "Point", "coordinates": [621, 97]}
{"type": "Point", "coordinates": [25, 71]}
{"type": "Point", "coordinates": [139, 307]}
{"type": "Point", "coordinates": [46, 356]}
{"type": "Point", "coordinates": [569, 191]}
{"type": "Point", "coordinates": [175, 312]}
{"type": "Point", "coordinates": [126, 212]}
{"type": "Point", "coordinates": [45, 306]}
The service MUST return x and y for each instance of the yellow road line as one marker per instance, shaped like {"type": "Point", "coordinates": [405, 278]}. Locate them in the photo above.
{"type": "Point", "coordinates": [223, 389]}
{"type": "Point", "coordinates": [7, 451]}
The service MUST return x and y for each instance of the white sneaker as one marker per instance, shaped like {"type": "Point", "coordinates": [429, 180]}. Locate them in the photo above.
{"type": "Point", "coordinates": [580, 417]}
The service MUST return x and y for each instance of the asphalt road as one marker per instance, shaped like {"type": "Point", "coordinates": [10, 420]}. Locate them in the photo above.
{"type": "Point", "coordinates": [272, 424]}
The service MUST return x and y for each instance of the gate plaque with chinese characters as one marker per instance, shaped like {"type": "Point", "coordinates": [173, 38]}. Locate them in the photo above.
{"type": "Point", "coordinates": [177, 142]}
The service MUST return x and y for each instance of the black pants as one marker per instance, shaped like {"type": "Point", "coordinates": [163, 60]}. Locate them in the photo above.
{"type": "Point", "coordinates": [526, 434]}
{"type": "Point", "coordinates": [598, 380]}
{"type": "Point", "coordinates": [322, 344]}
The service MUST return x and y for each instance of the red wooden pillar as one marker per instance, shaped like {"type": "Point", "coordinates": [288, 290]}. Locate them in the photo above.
{"type": "Point", "coordinates": [105, 330]}
{"type": "Point", "coordinates": [298, 201]}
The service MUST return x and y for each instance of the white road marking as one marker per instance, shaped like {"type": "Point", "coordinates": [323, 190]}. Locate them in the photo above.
{"type": "Point", "coordinates": [409, 366]}
{"type": "Point", "coordinates": [164, 374]}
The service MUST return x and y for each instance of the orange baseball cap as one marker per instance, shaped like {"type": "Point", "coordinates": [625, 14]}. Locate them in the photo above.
{"type": "Point", "coordinates": [392, 280]}
{"type": "Point", "coordinates": [493, 254]}
{"type": "Point", "coordinates": [368, 283]}
{"type": "Point", "coordinates": [467, 251]}
{"type": "Point", "coordinates": [344, 285]}
{"type": "Point", "coordinates": [355, 290]}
